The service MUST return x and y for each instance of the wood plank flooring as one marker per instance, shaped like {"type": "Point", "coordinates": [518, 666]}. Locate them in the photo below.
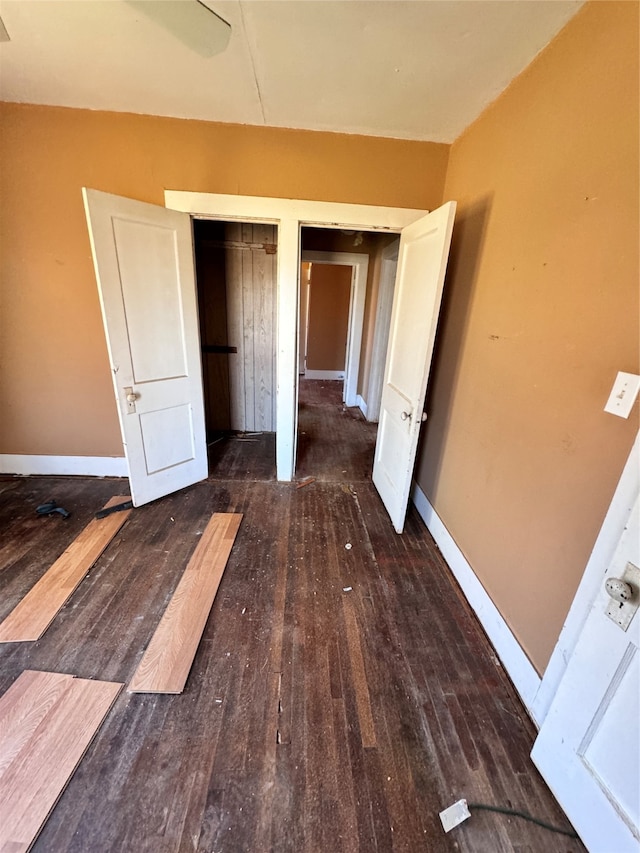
{"type": "Point", "coordinates": [250, 456]}
{"type": "Point", "coordinates": [35, 612]}
{"type": "Point", "coordinates": [47, 721]}
{"type": "Point", "coordinates": [313, 718]}
{"type": "Point", "coordinates": [166, 663]}
{"type": "Point", "coordinates": [335, 442]}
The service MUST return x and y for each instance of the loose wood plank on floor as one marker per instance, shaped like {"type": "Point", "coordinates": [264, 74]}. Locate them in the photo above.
{"type": "Point", "coordinates": [166, 663]}
{"type": "Point", "coordinates": [47, 721]}
{"type": "Point", "coordinates": [32, 616]}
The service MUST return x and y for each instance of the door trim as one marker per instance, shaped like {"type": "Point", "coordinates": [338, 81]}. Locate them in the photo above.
{"type": "Point", "coordinates": [359, 262]}
{"type": "Point", "coordinates": [615, 521]}
{"type": "Point", "coordinates": [290, 215]}
{"type": "Point", "coordinates": [77, 466]}
{"type": "Point", "coordinates": [386, 287]}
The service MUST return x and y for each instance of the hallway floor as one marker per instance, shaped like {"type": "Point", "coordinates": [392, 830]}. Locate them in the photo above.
{"type": "Point", "coordinates": [343, 693]}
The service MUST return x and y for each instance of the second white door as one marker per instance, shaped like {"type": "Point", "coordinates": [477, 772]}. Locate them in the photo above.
{"type": "Point", "coordinates": [422, 261]}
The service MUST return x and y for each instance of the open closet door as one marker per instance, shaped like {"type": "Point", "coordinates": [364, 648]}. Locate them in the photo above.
{"type": "Point", "coordinates": [143, 258]}
{"type": "Point", "coordinates": [422, 261]}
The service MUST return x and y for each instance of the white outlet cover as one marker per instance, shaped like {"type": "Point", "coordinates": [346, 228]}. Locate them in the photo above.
{"type": "Point", "coordinates": [454, 815]}
{"type": "Point", "coordinates": [623, 394]}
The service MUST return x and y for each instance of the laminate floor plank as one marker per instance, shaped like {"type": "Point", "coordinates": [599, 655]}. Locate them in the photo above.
{"type": "Point", "coordinates": [165, 665]}
{"type": "Point", "coordinates": [47, 721]}
{"type": "Point", "coordinates": [33, 615]}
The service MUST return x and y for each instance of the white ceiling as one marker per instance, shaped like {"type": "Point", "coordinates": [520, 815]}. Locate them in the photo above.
{"type": "Point", "coordinates": [411, 69]}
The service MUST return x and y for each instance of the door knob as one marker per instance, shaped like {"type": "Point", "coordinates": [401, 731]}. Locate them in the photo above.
{"type": "Point", "coordinates": [619, 590]}
{"type": "Point", "coordinates": [405, 416]}
{"type": "Point", "coordinates": [625, 596]}
{"type": "Point", "coordinates": [130, 396]}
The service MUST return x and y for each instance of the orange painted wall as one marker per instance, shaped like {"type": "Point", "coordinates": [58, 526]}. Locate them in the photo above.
{"type": "Point", "coordinates": [329, 299]}
{"type": "Point", "coordinates": [55, 387]}
{"type": "Point", "coordinates": [541, 310]}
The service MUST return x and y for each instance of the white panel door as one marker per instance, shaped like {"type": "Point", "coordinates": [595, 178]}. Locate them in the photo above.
{"type": "Point", "coordinates": [143, 258]}
{"type": "Point", "coordinates": [588, 748]}
{"type": "Point", "coordinates": [422, 261]}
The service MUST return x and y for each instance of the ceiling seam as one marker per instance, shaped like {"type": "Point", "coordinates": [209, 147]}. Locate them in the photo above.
{"type": "Point", "coordinates": [253, 65]}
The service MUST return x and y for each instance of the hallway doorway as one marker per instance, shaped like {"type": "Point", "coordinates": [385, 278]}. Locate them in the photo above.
{"type": "Point", "coordinates": [335, 442]}
{"type": "Point", "coordinates": [333, 393]}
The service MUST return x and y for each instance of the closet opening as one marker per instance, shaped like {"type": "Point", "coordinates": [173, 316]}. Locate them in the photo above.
{"type": "Point", "coordinates": [236, 283]}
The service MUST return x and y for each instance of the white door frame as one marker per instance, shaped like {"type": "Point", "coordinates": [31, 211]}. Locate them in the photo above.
{"type": "Point", "coordinates": [388, 269]}
{"type": "Point", "coordinates": [303, 325]}
{"type": "Point", "coordinates": [290, 215]}
{"type": "Point", "coordinates": [360, 265]}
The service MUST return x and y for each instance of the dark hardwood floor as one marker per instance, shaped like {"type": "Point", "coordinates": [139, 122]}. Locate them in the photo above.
{"type": "Point", "coordinates": [340, 697]}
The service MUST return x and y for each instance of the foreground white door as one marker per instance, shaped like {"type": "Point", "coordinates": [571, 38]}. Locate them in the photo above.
{"type": "Point", "coordinates": [588, 748]}
{"type": "Point", "coordinates": [422, 261]}
{"type": "Point", "coordinates": [143, 258]}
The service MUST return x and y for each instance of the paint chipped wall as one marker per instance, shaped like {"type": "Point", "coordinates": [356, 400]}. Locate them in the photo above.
{"type": "Point", "coordinates": [540, 312]}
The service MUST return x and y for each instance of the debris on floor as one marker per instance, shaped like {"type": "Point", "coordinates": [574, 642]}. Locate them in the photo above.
{"type": "Point", "coordinates": [51, 507]}
{"type": "Point", "coordinates": [33, 614]}
{"type": "Point", "coordinates": [306, 482]}
{"type": "Point", "coordinates": [109, 510]}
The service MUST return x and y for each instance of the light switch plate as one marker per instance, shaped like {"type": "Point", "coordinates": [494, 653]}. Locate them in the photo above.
{"type": "Point", "coordinates": [623, 394]}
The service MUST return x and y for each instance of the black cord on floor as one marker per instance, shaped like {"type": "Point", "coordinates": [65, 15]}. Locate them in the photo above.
{"type": "Point", "coordinates": [524, 816]}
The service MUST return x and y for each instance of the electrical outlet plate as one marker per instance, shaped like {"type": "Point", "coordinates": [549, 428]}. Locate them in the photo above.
{"type": "Point", "coordinates": [454, 815]}
{"type": "Point", "coordinates": [622, 614]}
{"type": "Point", "coordinates": [623, 394]}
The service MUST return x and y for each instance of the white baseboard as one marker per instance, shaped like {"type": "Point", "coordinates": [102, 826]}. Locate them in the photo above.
{"type": "Point", "coordinates": [516, 663]}
{"type": "Point", "coordinates": [85, 466]}
{"type": "Point", "coordinates": [324, 374]}
{"type": "Point", "coordinates": [361, 404]}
